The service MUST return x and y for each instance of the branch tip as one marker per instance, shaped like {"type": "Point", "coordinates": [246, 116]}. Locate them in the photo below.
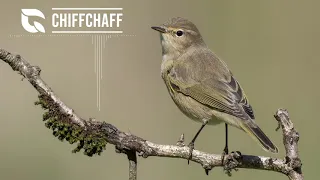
{"type": "Point", "coordinates": [181, 141]}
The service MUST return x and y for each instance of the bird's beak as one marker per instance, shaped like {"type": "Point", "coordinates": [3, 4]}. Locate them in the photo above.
{"type": "Point", "coordinates": [159, 28]}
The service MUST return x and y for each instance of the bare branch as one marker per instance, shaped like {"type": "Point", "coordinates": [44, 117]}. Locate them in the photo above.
{"type": "Point", "coordinates": [92, 135]}
{"type": "Point", "coordinates": [290, 141]}
{"type": "Point", "coordinates": [132, 165]}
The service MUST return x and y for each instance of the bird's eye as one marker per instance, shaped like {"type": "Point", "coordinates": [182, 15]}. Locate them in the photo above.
{"type": "Point", "coordinates": [179, 33]}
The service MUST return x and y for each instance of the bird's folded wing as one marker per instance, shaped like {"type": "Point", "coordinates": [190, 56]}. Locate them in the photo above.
{"type": "Point", "coordinates": [224, 96]}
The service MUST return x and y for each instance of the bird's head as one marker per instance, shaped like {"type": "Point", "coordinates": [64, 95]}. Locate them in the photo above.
{"type": "Point", "coordinates": [178, 34]}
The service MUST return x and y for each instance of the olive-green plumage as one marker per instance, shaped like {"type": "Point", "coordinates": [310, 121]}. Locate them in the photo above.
{"type": "Point", "coordinates": [201, 84]}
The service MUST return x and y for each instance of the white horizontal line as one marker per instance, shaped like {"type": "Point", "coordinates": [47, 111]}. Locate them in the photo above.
{"type": "Point", "coordinates": [118, 9]}
{"type": "Point", "coordinates": [88, 32]}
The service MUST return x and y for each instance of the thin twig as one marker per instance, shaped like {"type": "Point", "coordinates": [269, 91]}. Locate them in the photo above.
{"type": "Point", "coordinates": [130, 144]}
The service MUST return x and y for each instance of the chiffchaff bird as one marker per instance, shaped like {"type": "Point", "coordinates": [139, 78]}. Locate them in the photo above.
{"type": "Point", "coordinates": [201, 84]}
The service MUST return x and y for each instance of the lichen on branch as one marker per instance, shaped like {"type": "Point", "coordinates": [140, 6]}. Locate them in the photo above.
{"type": "Point", "coordinates": [88, 139]}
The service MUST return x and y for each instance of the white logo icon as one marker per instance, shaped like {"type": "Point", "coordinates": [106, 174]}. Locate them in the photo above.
{"type": "Point", "coordinates": [25, 13]}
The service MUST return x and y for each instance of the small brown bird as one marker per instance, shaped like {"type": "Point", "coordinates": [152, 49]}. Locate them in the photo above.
{"type": "Point", "coordinates": [201, 84]}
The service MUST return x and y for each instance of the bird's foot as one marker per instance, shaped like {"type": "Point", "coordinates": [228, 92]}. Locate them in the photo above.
{"type": "Point", "coordinates": [224, 153]}
{"type": "Point", "coordinates": [191, 148]}
{"type": "Point", "coordinates": [232, 161]}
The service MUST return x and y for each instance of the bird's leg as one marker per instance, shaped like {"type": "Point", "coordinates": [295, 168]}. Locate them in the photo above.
{"type": "Point", "coordinates": [225, 150]}
{"type": "Point", "coordinates": [191, 144]}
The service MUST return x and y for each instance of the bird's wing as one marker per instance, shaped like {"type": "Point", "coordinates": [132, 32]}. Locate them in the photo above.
{"type": "Point", "coordinates": [207, 79]}
{"type": "Point", "coordinates": [232, 101]}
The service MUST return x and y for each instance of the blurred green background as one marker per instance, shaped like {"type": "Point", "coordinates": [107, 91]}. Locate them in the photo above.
{"type": "Point", "coordinates": [272, 47]}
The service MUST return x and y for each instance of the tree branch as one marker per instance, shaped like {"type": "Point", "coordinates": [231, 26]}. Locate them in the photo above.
{"type": "Point", "coordinates": [132, 165]}
{"type": "Point", "coordinates": [290, 141]}
{"type": "Point", "coordinates": [92, 135]}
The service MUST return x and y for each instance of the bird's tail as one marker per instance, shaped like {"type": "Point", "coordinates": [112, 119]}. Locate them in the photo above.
{"type": "Point", "coordinates": [257, 134]}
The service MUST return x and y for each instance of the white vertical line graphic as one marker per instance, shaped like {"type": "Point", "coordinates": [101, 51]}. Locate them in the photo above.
{"type": "Point", "coordinates": [101, 56]}
{"type": "Point", "coordinates": [99, 67]}
{"type": "Point", "coordinates": [99, 44]}
{"type": "Point", "coordinates": [104, 47]}
{"type": "Point", "coordinates": [100, 50]}
{"type": "Point", "coordinates": [94, 53]}
{"type": "Point", "coordinates": [96, 42]}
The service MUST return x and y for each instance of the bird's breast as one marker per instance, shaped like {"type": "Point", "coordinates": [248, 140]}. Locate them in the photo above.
{"type": "Point", "coordinates": [193, 109]}
{"type": "Point", "coordinates": [190, 107]}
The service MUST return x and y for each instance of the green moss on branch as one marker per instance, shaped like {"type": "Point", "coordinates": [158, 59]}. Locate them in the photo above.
{"type": "Point", "coordinates": [88, 138]}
